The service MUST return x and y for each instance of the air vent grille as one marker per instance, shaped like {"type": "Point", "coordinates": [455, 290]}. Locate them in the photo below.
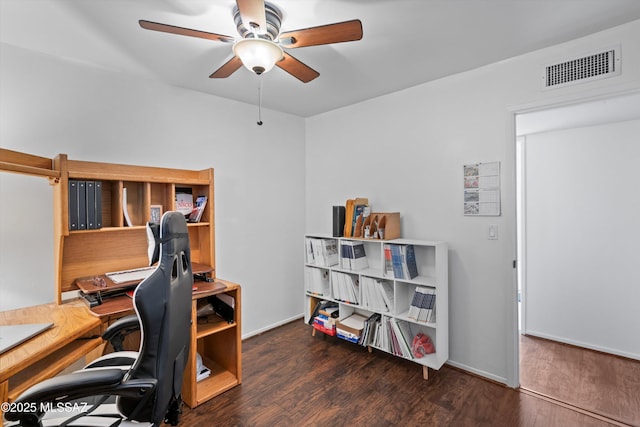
{"type": "Point", "coordinates": [596, 66]}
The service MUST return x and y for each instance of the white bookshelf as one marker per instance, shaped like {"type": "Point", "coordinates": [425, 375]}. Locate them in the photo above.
{"type": "Point", "coordinates": [432, 263]}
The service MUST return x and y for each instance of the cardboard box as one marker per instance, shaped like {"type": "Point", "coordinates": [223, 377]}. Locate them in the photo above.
{"type": "Point", "coordinates": [352, 325]}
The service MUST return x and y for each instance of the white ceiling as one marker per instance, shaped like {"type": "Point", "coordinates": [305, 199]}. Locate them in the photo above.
{"type": "Point", "coordinates": [405, 42]}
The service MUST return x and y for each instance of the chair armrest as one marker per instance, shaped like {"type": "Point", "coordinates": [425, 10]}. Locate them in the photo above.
{"type": "Point", "coordinates": [118, 330]}
{"type": "Point", "coordinates": [70, 386]}
{"type": "Point", "coordinates": [64, 388]}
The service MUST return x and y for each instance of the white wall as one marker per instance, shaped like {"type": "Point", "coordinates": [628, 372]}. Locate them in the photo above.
{"type": "Point", "coordinates": [582, 234]}
{"type": "Point", "coordinates": [405, 152]}
{"type": "Point", "coordinates": [26, 241]}
{"type": "Point", "coordinates": [50, 106]}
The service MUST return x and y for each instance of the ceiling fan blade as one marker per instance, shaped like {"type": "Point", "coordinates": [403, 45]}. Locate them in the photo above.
{"type": "Point", "coordinates": [230, 67]}
{"type": "Point", "coordinates": [164, 28]}
{"type": "Point", "coordinates": [325, 34]}
{"type": "Point", "coordinates": [253, 14]}
{"type": "Point", "coordinates": [297, 69]}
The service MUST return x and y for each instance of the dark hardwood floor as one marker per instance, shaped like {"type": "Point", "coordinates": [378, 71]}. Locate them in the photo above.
{"type": "Point", "coordinates": [598, 382]}
{"type": "Point", "coordinates": [293, 379]}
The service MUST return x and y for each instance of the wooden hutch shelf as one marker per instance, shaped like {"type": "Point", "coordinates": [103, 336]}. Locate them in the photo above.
{"type": "Point", "coordinates": [115, 246]}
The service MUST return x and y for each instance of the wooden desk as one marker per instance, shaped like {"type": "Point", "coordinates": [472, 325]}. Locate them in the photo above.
{"type": "Point", "coordinates": [48, 353]}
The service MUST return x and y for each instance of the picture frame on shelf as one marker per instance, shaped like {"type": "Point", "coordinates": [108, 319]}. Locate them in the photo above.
{"type": "Point", "coordinates": [155, 213]}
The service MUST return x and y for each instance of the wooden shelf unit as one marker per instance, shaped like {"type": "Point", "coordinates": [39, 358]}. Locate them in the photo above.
{"type": "Point", "coordinates": [116, 246]}
{"type": "Point", "coordinates": [218, 342]}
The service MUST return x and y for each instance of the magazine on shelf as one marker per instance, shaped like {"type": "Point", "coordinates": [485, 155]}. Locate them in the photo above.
{"type": "Point", "coordinates": [198, 209]}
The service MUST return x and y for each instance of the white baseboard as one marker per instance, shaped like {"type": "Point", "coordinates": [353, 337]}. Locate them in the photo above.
{"type": "Point", "coordinates": [584, 345]}
{"type": "Point", "coordinates": [478, 372]}
{"type": "Point", "coordinates": [272, 326]}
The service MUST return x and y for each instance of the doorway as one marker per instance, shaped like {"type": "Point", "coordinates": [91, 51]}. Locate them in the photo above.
{"type": "Point", "coordinates": [577, 248]}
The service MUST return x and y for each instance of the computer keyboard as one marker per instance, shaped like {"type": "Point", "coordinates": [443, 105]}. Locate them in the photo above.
{"type": "Point", "coordinates": [130, 275]}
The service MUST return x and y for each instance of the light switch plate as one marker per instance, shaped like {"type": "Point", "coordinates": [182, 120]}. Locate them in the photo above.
{"type": "Point", "coordinates": [493, 232]}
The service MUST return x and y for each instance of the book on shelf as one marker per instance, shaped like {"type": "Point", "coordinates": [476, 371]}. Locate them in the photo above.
{"type": "Point", "coordinates": [125, 208]}
{"type": "Point", "coordinates": [308, 246]}
{"type": "Point", "coordinates": [325, 321]}
{"type": "Point", "coordinates": [320, 306]}
{"type": "Point", "coordinates": [401, 338]}
{"type": "Point", "coordinates": [353, 255]}
{"type": "Point", "coordinates": [184, 203]}
{"type": "Point", "coordinates": [325, 251]}
{"type": "Point", "coordinates": [403, 261]}
{"type": "Point", "coordinates": [330, 311]}
{"type": "Point", "coordinates": [345, 287]}
{"type": "Point", "coordinates": [198, 209]}
{"type": "Point", "coordinates": [376, 294]}
{"type": "Point", "coordinates": [388, 263]}
{"type": "Point", "coordinates": [410, 267]}
{"type": "Point", "coordinates": [317, 281]}
{"type": "Point", "coordinates": [367, 337]}
{"type": "Point", "coordinates": [423, 304]}
{"type": "Point", "coordinates": [381, 339]}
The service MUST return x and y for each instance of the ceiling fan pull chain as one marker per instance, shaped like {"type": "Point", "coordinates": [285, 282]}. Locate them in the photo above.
{"type": "Point", "coordinates": [260, 101]}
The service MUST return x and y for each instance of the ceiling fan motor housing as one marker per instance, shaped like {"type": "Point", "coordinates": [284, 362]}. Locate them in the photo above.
{"type": "Point", "coordinates": [273, 18]}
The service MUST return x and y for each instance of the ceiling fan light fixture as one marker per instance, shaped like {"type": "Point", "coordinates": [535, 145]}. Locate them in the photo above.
{"type": "Point", "coordinates": [258, 55]}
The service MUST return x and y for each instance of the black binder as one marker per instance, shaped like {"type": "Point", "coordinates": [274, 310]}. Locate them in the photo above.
{"type": "Point", "coordinates": [338, 221]}
{"type": "Point", "coordinates": [98, 204]}
{"type": "Point", "coordinates": [73, 204]}
{"type": "Point", "coordinates": [82, 205]}
{"type": "Point", "coordinates": [91, 205]}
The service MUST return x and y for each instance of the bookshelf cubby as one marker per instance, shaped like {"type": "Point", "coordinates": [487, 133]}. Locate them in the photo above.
{"type": "Point", "coordinates": [432, 264]}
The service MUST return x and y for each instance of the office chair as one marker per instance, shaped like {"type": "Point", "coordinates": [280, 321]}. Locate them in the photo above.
{"type": "Point", "coordinates": [146, 384]}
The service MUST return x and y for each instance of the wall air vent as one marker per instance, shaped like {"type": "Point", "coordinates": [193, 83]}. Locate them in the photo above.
{"type": "Point", "coordinates": [581, 70]}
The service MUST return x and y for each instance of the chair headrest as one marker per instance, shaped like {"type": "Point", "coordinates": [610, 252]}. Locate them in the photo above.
{"type": "Point", "coordinates": [172, 226]}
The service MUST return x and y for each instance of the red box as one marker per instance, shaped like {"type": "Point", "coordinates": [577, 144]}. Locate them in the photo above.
{"type": "Point", "coordinates": [324, 330]}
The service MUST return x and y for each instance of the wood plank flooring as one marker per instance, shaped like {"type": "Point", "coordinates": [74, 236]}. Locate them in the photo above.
{"type": "Point", "coordinates": [598, 382]}
{"type": "Point", "coordinates": [293, 379]}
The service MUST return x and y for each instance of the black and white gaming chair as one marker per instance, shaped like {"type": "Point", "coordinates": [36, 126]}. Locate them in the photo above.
{"type": "Point", "coordinates": [146, 384]}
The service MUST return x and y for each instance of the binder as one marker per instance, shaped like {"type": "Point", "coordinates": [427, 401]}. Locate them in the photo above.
{"type": "Point", "coordinates": [98, 204]}
{"type": "Point", "coordinates": [73, 204]}
{"type": "Point", "coordinates": [82, 205]}
{"type": "Point", "coordinates": [91, 204]}
{"type": "Point", "coordinates": [338, 221]}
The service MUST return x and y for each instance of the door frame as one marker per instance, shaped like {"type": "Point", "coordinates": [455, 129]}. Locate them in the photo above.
{"type": "Point", "coordinates": [518, 196]}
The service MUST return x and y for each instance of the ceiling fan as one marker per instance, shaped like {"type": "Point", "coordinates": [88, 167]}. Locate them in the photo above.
{"type": "Point", "coordinates": [262, 45]}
